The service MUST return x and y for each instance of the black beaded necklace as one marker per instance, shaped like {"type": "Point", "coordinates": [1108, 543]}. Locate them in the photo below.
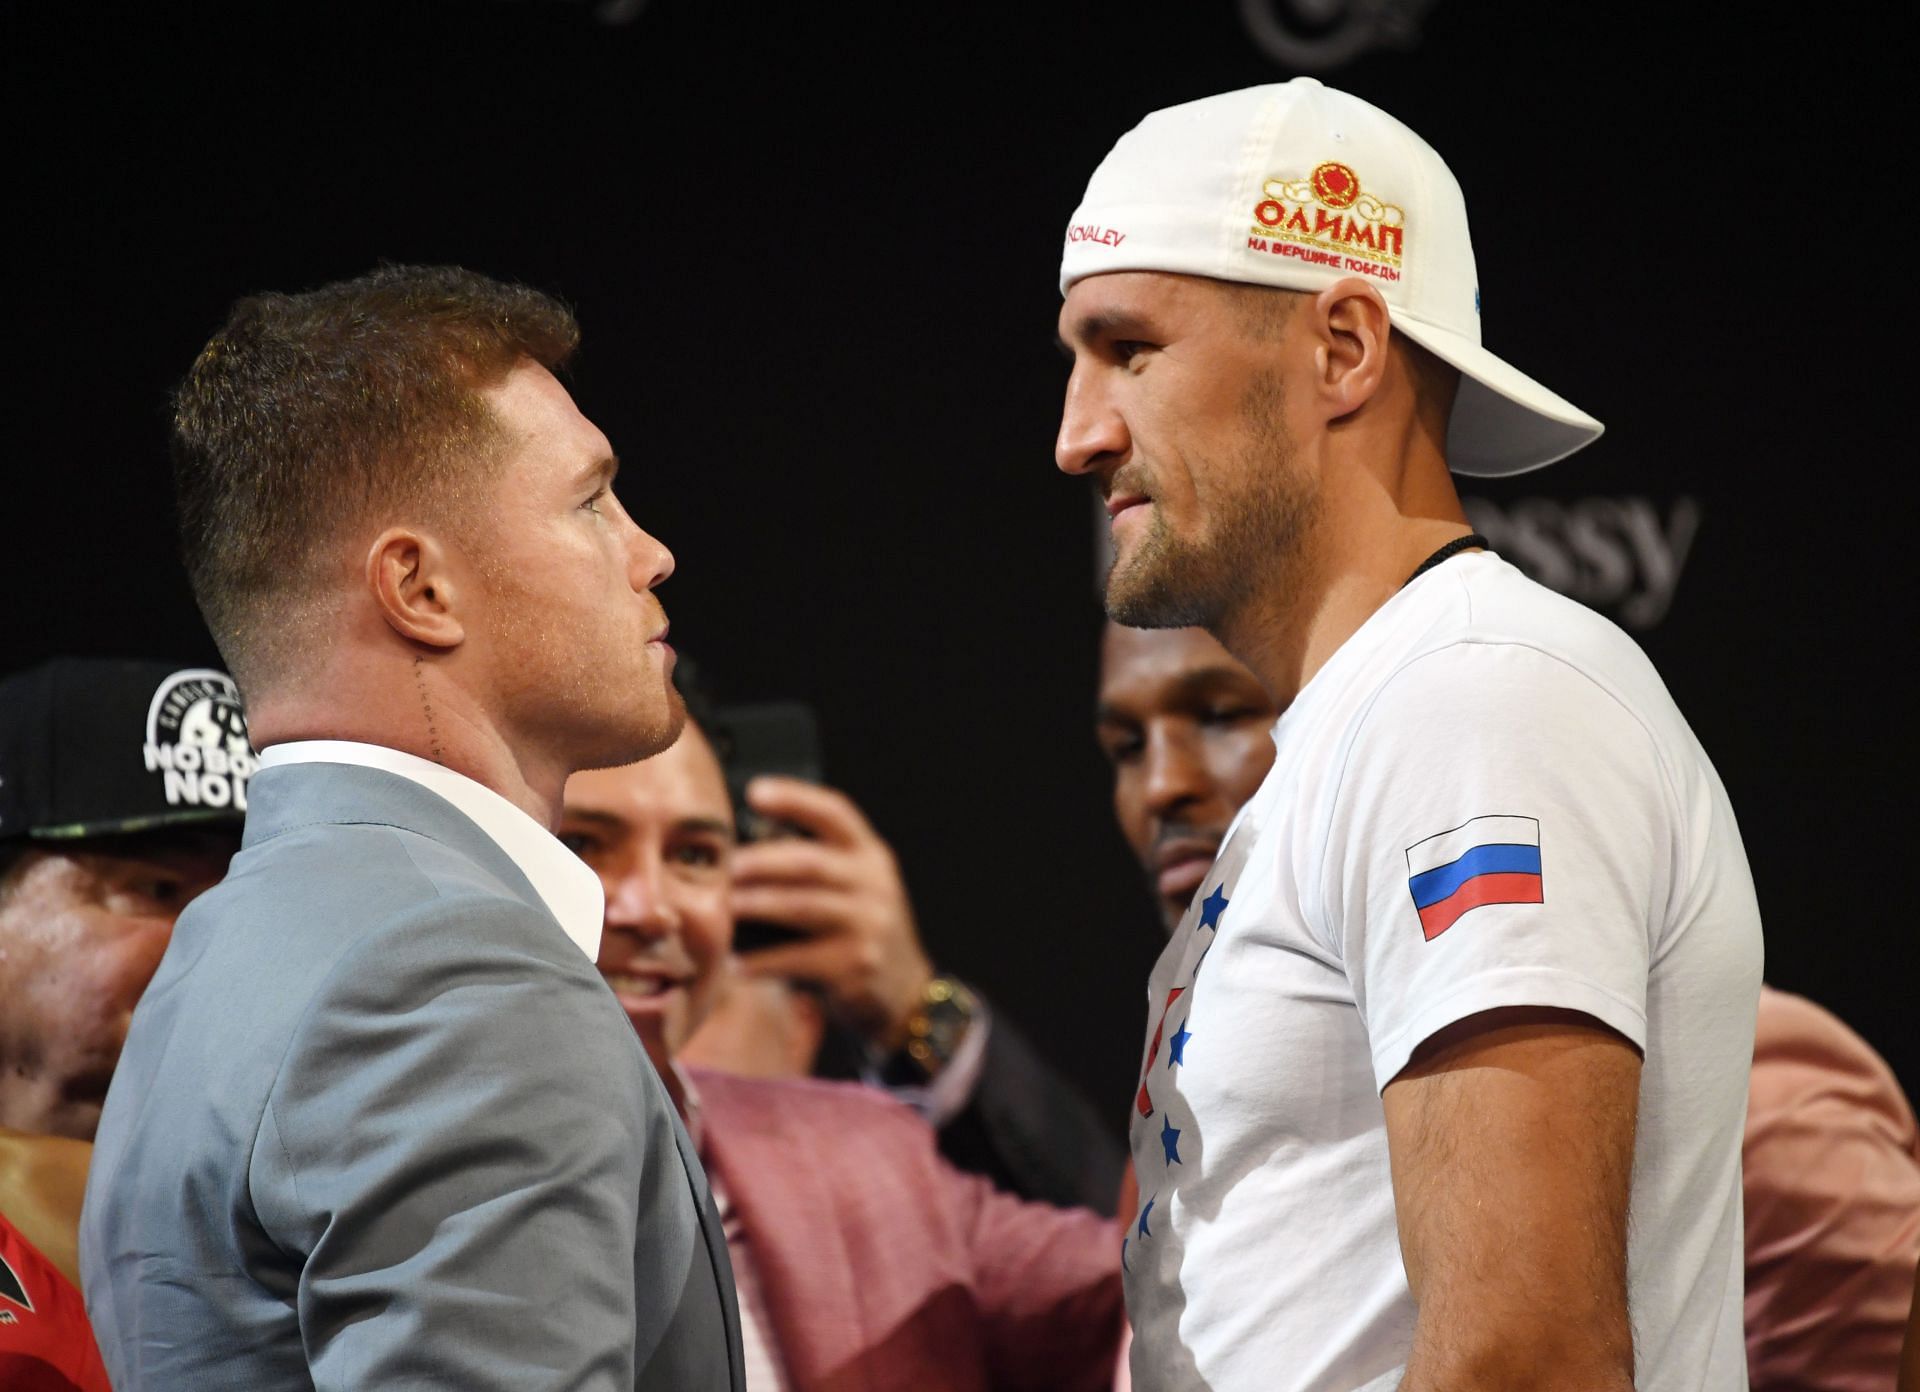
{"type": "Point", "coordinates": [1452, 548]}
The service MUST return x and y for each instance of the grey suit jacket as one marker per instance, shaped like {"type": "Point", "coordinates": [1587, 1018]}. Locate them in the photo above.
{"type": "Point", "coordinates": [379, 1124]}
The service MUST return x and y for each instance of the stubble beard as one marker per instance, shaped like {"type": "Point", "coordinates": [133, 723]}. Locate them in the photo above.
{"type": "Point", "coordinates": [1259, 525]}
{"type": "Point", "coordinates": [607, 713]}
{"type": "Point", "coordinates": [579, 682]}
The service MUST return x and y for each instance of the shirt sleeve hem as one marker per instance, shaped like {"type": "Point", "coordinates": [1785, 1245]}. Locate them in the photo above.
{"type": "Point", "coordinates": [1510, 986]}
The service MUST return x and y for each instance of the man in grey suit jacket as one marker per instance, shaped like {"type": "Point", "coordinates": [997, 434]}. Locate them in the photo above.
{"type": "Point", "coordinates": [379, 1123]}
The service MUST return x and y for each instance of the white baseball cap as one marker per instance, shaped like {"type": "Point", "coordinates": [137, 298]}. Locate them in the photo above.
{"type": "Point", "coordinates": [1296, 185]}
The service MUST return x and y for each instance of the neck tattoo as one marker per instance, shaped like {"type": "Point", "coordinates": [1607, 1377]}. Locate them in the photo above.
{"type": "Point", "coordinates": [426, 705]}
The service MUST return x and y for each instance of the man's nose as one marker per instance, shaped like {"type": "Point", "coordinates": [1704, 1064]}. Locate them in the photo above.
{"type": "Point", "coordinates": [637, 903]}
{"type": "Point", "coordinates": [1092, 431]}
{"type": "Point", "coordinates": [1176, 775]}
{"type": "Point", "coordinates": [649, 562]}
{"type": "Point", "coordinates": [153, 947]}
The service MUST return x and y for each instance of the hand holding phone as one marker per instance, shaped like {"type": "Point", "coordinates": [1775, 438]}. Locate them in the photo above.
{"type": "Point", "coordinates": [837, 887]}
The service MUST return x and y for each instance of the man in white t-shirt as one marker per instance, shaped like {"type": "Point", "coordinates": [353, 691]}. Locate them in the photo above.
{"type": "Point", "coordinates": [1473, 976]}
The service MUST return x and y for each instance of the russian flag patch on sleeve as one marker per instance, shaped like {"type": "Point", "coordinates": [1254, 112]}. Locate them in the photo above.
{"type": "Point", "coordinates": [1490, 860]}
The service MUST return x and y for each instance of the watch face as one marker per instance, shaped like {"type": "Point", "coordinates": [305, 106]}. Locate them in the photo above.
{"type": "Point", "coordinates": [939, 1025]}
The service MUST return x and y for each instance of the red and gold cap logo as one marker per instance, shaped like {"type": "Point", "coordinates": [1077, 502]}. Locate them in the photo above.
{"type": "Point", "coordinates": [1335, 185]}
{"type": "Point", "coordinates": [1328, 219]}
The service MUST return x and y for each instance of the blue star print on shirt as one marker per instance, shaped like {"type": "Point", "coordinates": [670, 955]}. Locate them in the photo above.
{"type": "Point", "coordinates": [1143, 1218]}
{"type": "Point", "coordinates": [1177, 1046]}
{"type": "Point", "coordinates": [1212, 907]}
{"type": "Point", "coordinates": [1170, 1139]}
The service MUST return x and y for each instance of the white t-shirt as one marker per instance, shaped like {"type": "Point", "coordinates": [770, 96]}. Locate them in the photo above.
{"type": "Point", "coordinates": [1485, 798]}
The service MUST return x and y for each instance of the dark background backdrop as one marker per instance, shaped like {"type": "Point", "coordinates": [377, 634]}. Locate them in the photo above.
{"type": "Point", "coordinates": [814, 249]}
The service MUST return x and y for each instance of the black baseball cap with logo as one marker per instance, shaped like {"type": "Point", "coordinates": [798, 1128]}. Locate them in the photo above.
{"type": "Point", "coordinates": [102, 747]}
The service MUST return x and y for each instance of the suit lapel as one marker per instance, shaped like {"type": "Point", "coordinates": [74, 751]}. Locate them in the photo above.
{"type": "Point", "coordinates": [715, 1239]}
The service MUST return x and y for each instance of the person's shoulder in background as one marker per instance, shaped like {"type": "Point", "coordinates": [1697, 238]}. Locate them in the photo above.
{"type": "Point", "coordinates": [1832, 1179]}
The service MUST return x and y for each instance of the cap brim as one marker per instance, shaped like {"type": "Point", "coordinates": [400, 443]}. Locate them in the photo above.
{"type": "Point", "coordinates": [129, 826]}
{"type": "Point", "coordinates": [1504, 422]}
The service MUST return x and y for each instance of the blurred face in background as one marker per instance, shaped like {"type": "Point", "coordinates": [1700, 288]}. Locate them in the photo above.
{"type": "Point", "coordinates": [660, 835]}
{"type": "Point", "coordinates": [83, 925]}
{"type": "Point", "coordinates": [1187, 730]}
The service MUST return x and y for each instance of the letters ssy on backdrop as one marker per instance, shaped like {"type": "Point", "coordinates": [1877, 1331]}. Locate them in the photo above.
{"type": "Point", "coordinates": [1622, 556]}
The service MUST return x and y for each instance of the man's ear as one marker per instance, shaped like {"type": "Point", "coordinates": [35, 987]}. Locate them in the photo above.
{"type": "Point", "coordinates": [1350, 360]}
{"type": "Point", "coordinates": [408, 575]}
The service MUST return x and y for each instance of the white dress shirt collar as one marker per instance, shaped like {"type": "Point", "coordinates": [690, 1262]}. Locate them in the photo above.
{"type": "Point", "coordinates": [569, 889]}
